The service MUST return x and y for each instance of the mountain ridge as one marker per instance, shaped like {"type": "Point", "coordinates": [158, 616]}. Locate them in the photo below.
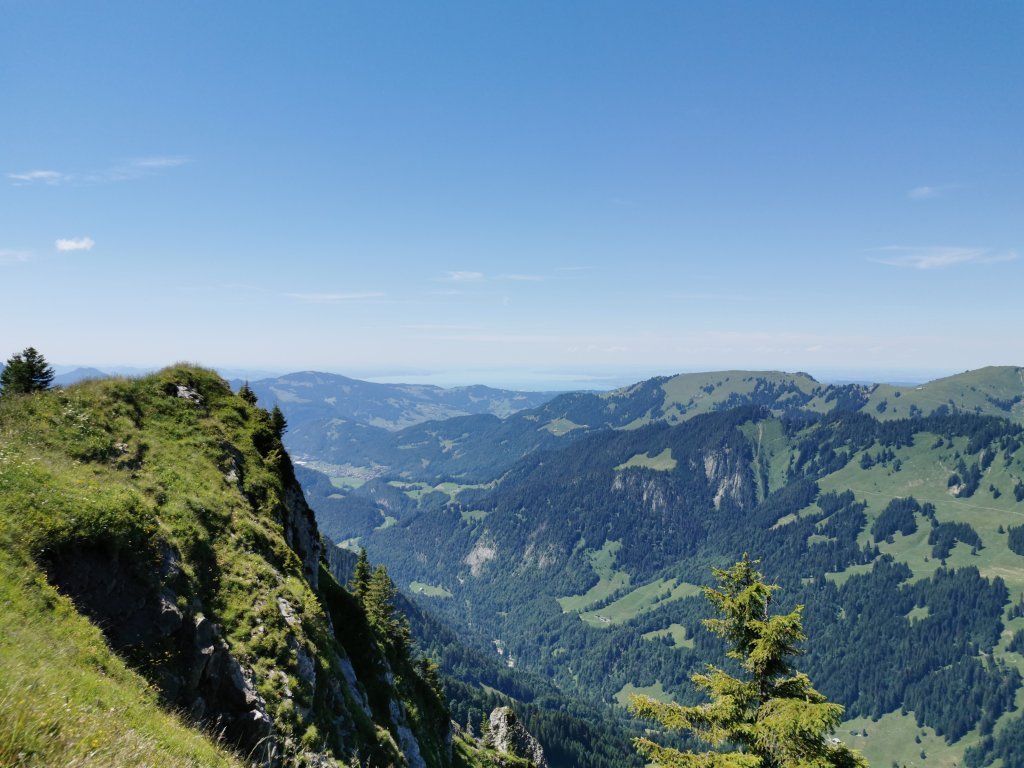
{"type": "Point", "coordinates": [581, 554]}
{"type": "Point", "coordinates": [164, 512]}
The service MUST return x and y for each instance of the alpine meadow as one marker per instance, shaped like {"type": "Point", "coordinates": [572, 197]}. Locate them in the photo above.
{"type": "Point", "coordinates": [511, 385]}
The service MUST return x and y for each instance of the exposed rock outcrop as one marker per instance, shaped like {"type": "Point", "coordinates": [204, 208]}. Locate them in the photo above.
{"type": "Point", "coordinates": [508, 736]}
{"type": "Point", "coordinates": [112, 587]}
{"type": "Point", "coordinates": [301, 532]}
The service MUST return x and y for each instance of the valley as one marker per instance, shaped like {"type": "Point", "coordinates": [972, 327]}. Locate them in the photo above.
{"type": "Point", "coordinates": [582, 551]}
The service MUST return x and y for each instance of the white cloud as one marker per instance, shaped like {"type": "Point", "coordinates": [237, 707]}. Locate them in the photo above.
{"type": "Point", "coordinates": [38, 177]}
{"type": "Point", "coordinates": [463, 277]}
{"type": "Point", "coordinates": [75, 244]}
{"type": "Point", "coordinates": [938, 257]}
{"type": "Point", "coordinates": [929, 191]}
{"type": "Point", "coordinates": [523, 278]}
{"type": "Point", "coordinates": [334, 298]}
{"type": "Point", "coordinates": [125, 171]}
{"type": "Point", "coordinates": [138, 167]}
{"type": "Point", "coordinates": [8, 255]}
{"type": "Point", "coordinates": [159, 162]}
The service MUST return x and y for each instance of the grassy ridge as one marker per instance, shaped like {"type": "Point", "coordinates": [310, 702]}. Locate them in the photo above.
{"type": "Point", "coordinates": [66, 700]}
{"type": "Point", "coordinates": [174, 486]}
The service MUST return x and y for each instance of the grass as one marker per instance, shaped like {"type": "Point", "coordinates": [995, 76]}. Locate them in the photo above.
{"type": "Point", "coordinates": [428, 590]}
{"type": "Point", "coordinates": [348, 482]}
{"type": "Point", "coordinates": [926, 467]}
{"type": "Point", "coordinates": [562, 426]}
{"type": "Point", "coordinates": [639, 601]}
{"type": "Point", "coordinates": [609, 581]}
{"type": "Point", "coordinates": [473, 515]}
{"type": "Point", "coordinates": [771, 451]}
{"type": "Point", "coordinates": [663, 462]}
{"type": "Point", "coordinates": [130, 466]}
{"type": "Point", "coordinates": [968, 392]}
{"type": "Point", "coordinates": [414, 491]}
{"type": "Point", "coordinates": [918, 613]}
{"type": "Point", "coordinates": [690, 394]}
{"type": "Point", "coordinates": [655, 691]}
{"type": "Point", "coordinates": [417, 491]}
{"type": "Point", "coordinates": [676, 631]}
{"type": "Point", "coordinates": [66, 700]}
{"type": "Point", "coordinates": [891, 739]}
{"type": "Point", "coordinates": [924, 475]}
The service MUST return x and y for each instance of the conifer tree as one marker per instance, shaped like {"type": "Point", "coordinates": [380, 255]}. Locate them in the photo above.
{"type": "Point", "coordinates": [277, 422]}
{"type": "Point", "coordinates": [770, 717]}
{"type": "Point", "coordinates": [247, 394]}
{"type": "Point", "coordinates": [26, 371]}
{"type": "Point", "coordinates": [388, 623]}
{"type": "Point", "coordinates": [360, 583]}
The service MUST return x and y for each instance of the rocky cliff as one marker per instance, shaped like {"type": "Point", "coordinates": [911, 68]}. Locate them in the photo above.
{"type": "Point", "coordinates": [509, 737]}
{"type": "Point", "coordinates": [166, 511]}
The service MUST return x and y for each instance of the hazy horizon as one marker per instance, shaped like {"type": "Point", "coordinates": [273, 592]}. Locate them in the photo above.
{"type": "Point", "coordinates": [530, 379]}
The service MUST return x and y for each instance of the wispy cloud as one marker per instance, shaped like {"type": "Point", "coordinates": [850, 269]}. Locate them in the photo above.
{"type": "Point", "coordinates": [438, 327]}
{"type": "Point", "coordinates": [9, 255]}
{"type": "Point", "coordinates": [127, 170]}
{"type": "Point", "coordinates": [166, 161]}
{"type": "Point", "coordinates": [522, 278]}
{"type": "Point", "coordinates": [938, 257]}
{"type": "Point", "coordinates": [462, 277]}
{"type": "Point", "coordinates": [138, 167]}
{"type": "Point", "coordinates": [334, 298]}
{"type": "Point", "coordinates": [38, 177]}
{"type": "Point", "coordinates": [930, 192]}
{"type": "Point", "coordinates": [75, 244]}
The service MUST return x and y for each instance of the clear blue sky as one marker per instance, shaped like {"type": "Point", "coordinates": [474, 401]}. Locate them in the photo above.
{"type": "Point", "coordinates": [558, 186]}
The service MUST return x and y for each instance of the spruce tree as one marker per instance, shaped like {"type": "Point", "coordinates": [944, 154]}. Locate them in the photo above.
{"type": "Point", "coordinates": [770, 716]}
{"type": "Point", "coordinates": [26, 371]}
{"type": "Point", "coordinates": [247, 394]}
{"type": "Point", "coordinates": [360, 583]}
{"type": "Point", "coordinates": [390, 625]}
{"type": "Point", "coordinates": [278, 422]}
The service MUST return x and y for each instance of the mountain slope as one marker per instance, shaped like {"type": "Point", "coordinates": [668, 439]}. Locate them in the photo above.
{"type": "Point", "coordinates": [583, 560]}
{"type": "Point", "coordinates": [60, 683]}
{"type": "Point", "coordinates": [315, 396]}
{"type": "Point", "coordinates": [479, 448]}
{"type": "Point", "coordinates": [165, 511]}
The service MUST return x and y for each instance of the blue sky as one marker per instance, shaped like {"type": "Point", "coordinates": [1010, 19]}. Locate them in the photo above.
{"type": "Point", "coordinates": [557, 187]}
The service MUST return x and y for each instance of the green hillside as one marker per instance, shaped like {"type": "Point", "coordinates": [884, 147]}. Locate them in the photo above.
{"type": "Point", "coordinates": [585, 561]}
{"type": "Point", "coordinates": [993, 391]}
{"type": "Point", "coordinates": [60, 684]}
{"type": "Point", "coordinates": [581, 523]}
{"type": "Point", "coordinates": [691, 394]}
{"type": "Point", "coordinates": [477, 449]}
{"type": "Point", "coordinates": [163, 511]}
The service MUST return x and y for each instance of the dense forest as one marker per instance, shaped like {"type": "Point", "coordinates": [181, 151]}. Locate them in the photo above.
{"type": "Point", "coordinates": [626, 520]}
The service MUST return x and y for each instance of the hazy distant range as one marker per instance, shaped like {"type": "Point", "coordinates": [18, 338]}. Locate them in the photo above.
{"type": "Point", "coordinates": [520, 380]}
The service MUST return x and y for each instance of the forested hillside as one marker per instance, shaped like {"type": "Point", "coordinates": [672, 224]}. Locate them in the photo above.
{"type": "Point", "coordinates": [360, 460]}
{"type": "Point", "coordinates": [582, 560]}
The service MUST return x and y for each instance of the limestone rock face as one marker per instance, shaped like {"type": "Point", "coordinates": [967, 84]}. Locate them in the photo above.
{"type": "Point", "coordinates": [510, 737]}
{"type": "Point", "coordinates": [113, 589]}
{"type": "Point", "coordinates": [301, 532]}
